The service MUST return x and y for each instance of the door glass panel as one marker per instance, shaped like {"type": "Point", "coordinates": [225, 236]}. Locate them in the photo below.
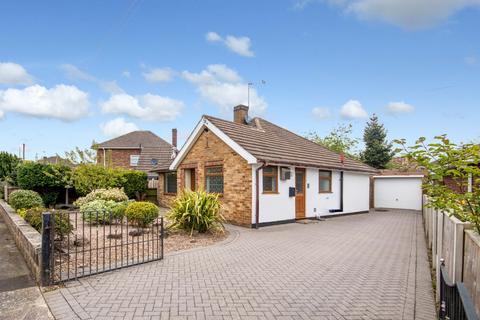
{"type": "Point", "coordinates": [299, 181]}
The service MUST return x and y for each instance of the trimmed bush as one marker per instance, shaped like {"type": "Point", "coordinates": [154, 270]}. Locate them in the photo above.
{"type": "Point", "coordinates": [196, 211]}
{"type": "Point", "coordinates": [99, 212]}
{"type": "Point", "coordinates": [25, 199]}
{"type": "Point", "coordinates": [141, 213]}
{"type": "Point", "coordinates": [114, 194]}
{"type": "Point", "coordinates": [33, 217]}
{"type": "Point", "coordinates": [89, 177]}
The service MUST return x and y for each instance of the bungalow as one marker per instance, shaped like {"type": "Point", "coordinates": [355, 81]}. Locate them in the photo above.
{"type": "Point", "coordinates": [266, 174]}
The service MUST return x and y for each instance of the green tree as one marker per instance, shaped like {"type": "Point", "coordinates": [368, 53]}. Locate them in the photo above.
{"type": "Point", "coordinates": [443, 159]}
{"type": "Point", "coordinates": [378, 151]}
{"type": "Point", "coordinates": [8, 165]}
{"type": "Point", "coordinates": [339, 140]}
{"type": "Point", "coordinates": [82, 156]}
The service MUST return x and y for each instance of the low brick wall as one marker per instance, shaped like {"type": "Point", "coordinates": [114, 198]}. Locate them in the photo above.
{"type": "Point", "coordinates": [28, 240]}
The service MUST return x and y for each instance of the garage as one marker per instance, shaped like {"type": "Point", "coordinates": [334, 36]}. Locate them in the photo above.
{"type": "Point", "coordinates": [398, 192]}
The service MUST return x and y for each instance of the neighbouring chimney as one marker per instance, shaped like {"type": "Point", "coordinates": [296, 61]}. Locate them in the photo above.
{"type": "Point", "coordinates": [240, 114]}
{"type": "Point", "coordinates": [174, 137]}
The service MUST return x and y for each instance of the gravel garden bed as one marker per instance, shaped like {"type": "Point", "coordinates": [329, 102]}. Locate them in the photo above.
{"type": "Point", "coordinates": [91, 248]}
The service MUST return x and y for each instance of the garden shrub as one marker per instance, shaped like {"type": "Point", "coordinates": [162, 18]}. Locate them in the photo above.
{"type": "Point", "coordinates": [141, 213]}
{"type": "Point", "coordinates": [25, 199]}
{"type": "Point", "coordinates": [89, 177]}
{"type": "Point", "coordinates": [118, 210]}
{"type": "Point", "coordinates": [41, 176]}
{"type": "Point", "coordinates": [62, 224]}
{"type": "Point", "coordinates": [8, 165]}
{"type": "Point", "coordinates": [134, 182]}
{"type": "Point", "coordinates": [114, 194]}
{"type": "Point", "coordinates": [196, 211]}
{"type": "Point", "coordinates": [101, 212]}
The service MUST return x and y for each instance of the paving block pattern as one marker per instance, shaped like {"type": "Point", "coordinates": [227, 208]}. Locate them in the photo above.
{"type": "Point", "coordinates": [367, 266]}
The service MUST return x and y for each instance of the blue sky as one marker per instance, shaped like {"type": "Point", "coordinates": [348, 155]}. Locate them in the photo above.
{"type": "Point", "coordinates": [73, 72]}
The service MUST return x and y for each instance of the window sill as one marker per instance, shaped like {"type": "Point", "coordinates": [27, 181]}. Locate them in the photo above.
{"type": "Point", "coordinates": [325, 192]}
{"type": "Point", "coordinates": [270, 192]}
{"type": "Point", "coordinates": [169, 194]}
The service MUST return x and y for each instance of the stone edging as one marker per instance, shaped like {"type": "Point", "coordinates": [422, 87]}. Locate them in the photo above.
{"type": "Point", "coordinates": [27, 239]}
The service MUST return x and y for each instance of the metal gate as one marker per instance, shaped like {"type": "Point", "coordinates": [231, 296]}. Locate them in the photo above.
{"type": "Point", "coordinates": [74, 246]}
{"type": "Point", "coordinates": [455, 301]}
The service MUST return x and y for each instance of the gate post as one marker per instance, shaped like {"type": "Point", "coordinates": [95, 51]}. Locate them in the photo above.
{"type": "Point", "coordinates": [47, 242]}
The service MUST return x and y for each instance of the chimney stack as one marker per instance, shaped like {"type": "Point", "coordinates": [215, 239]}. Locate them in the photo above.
{"type": "Point", "coordinates": [240, 114]}
{"type": "Point", "coordinates": [174, 137]}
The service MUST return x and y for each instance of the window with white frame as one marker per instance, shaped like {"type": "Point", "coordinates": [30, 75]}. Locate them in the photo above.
{"type": "Point", "coordinates": [134, 159]}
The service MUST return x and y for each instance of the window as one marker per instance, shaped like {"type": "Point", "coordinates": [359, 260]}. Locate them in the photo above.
{"type": "Point", "coordinates": [270, 180]}
{"type": "Point", "coordinates": [170, 182]}
{"type": "Point", "coordinates": [154, 162]}
{"type": "Point", "coordinates": [134, 159]}
{"type": "Point", "coordinates": [214, 179]}
{"type": "Point", "coordinates": [324, 181]}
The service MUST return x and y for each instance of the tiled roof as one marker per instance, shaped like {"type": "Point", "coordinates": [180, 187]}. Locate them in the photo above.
{"type": "Point", "coordinates": [136, 139]}
{"type": "Point", "coordinates": [155, 152]}
{"type": "Point", "coordinates": [271, 143]}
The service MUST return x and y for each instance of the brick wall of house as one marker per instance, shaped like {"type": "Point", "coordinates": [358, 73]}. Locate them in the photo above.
{"type": "Point", "coordinates": [117, 158]}
{"type": "Point", "coordinates": [163, 199]}
{"type": "Point", "coordinates": [237, 176]}
{"type": "Point", "coordinates": [456, 184]}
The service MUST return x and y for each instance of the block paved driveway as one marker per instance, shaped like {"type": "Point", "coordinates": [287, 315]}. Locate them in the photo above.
{"type": "Point", "coordinates": [366, 266]}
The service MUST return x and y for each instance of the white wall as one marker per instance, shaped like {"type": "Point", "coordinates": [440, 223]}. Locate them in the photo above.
{"type": "Point", "coordinates": [398, 193]}
{"type": "Point", "coordinates": [356, 192]}
{"type": "Point", "coordinates": [275, 207]}
{"type": "Point", "coordinates": [278, 207]}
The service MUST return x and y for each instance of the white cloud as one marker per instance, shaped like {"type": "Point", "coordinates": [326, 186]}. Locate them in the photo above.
{"type": "Point", "coordinates": [213, 37]}
{"type": "Point", "coordinates": [223, 87]}
{"type": "Point", "coordinates": [321, 113]}
{"type": "Point", "coordinates": [117, 127]}
{"type": "Point", "coordinates": [159, 75]}
{"type": "Point", "coordinates": [471, 60]}
{"type": "Point", "coordinates": [148, 107]}
{"type": "Point", "coordinates": [61, 102]}
{"type": "Point", "coordinates": [126, 74]}
{"type": "Point", "coordinates": [74, 73]}
{"type": "Point", "coordinates": [408, 14]}
{"type": "Point", "coordinates": [14, 74]}
{"type": "Point", "coordinates": [239, 45]}
{"type": "Point", "coordinates": [400, 107]}
{"type": "Point", "coordinates": [353, 110]}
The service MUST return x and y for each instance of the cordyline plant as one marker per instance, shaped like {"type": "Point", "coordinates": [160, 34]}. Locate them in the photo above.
{"type": "Point", "coordinates": [461, 163]}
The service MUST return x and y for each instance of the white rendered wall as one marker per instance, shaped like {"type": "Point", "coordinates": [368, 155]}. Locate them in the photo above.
{"type": "Point", "coordinates": [398, 193]}
{"type": "Point", "coordinates": [278, 207]}
{"type": "Point", "coordinates": [356, 192]}
{"type": "Point", "coordinates": [275, 207]}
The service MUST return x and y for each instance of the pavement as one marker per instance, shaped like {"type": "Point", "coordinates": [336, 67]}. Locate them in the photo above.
{"type": "Point", "coordinates": [365, 266]}
{"type": "Point", "coordinates": [20, 298]}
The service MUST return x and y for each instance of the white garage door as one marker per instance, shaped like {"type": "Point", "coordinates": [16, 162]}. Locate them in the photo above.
{"type": "Point", "coordinates": [399, 192]}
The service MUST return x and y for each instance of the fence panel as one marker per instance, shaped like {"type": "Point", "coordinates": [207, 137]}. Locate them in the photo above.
{"type": "Point", "coordinates": [455, 302]}
{"type": "Point", "coordinates": [471, 270]}
{"type": "Point", "coordinates": [97, 242]}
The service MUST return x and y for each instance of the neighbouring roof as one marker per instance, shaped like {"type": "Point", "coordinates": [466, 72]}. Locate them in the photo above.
{"type": "Point", "coordinates": [273, 144]}
{"type": "Point", "coordinates": [135, 139]}
{"type": "Point", "coordinates": [154, 151]}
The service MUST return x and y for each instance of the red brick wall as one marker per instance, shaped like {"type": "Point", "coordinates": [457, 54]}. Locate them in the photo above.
{"type": "Point", "coordinates": [237, 176]}
{"type": "Point", "coordinates": [117, 158]}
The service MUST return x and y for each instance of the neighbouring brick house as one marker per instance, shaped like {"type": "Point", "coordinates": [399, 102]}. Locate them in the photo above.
{"type": "Point", "coordinates": [266, 174]}
{"type": "Point", "coordinates": [139, 150]}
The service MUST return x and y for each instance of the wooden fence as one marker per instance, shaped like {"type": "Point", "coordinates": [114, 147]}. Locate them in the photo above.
{"type": "Point", "coordinates": [459, 245]}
